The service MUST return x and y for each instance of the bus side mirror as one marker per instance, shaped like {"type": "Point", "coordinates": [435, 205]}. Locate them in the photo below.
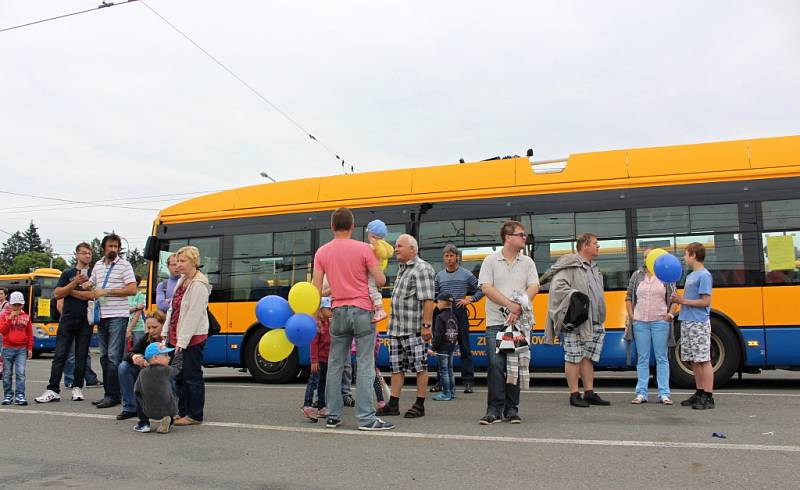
{"type": "Point", "coordinates": [37, 290]}
{"type": "Point", "coordinates": [151, 249]}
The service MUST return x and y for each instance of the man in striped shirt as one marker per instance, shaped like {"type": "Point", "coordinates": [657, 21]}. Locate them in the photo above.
{"type": "Point", "coordinates": [113, 280]}
{"type": "Point", "coordinates": [458, 281]}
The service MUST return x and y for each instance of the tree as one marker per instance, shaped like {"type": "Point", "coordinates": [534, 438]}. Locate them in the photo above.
{"type": "Point", "coordinates": [14, 246]}
{"type": "Point", "coordinates": [26, 262]}
{"type": "Point", "coordinates": [138, 262]}
{"type": "Point", "coordinates": [32, 240]}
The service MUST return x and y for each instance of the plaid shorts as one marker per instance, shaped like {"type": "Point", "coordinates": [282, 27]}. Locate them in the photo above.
{"type": "Point", "coordinates": [407, 354]}
{"type": "Point", "coordinates": [576, 349]}
{"type": "Point", "coordinates": [696, 341]}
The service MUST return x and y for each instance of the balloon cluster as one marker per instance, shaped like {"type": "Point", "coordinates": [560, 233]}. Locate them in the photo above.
{"type": "Point", "coordinates": [291, 322]}
{"type": "Point", "coordinates": [664, 265]}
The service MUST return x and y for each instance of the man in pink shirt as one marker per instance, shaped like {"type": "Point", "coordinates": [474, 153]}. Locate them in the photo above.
{"type": "Point", "coordinates": [347, 263]}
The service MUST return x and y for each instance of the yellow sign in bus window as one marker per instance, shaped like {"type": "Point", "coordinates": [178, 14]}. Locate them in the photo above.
{"type": "Point", "coordinates": [780, 253]}
{"type": "Point", "coordinates": [43, 307]}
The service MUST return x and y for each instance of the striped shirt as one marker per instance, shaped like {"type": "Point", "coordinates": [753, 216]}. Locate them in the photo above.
{"type": "Point", "coordinates": [121, 275]}
{"type": "Point", "coordinates": [414, 285]}
{"type": "Point", "coordinates": [458, 283]}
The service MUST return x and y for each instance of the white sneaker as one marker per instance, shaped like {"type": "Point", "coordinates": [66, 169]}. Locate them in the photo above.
{"type": "Point", "coordinates": [48, 396]}
{"type": "Point", "coordinates": [77, 394]}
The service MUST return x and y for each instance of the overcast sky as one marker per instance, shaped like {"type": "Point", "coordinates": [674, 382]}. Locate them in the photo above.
{"type": "Point", "coordinates": [114, 104]}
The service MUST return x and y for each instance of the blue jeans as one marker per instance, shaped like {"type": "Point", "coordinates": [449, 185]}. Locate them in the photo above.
{"type": "Point", "coordinates": [128, 373]}
{"type": "Point", "coordinates": [316, 382]}
{"type": "Point", "coordinates": [14, 360]}
{"type": "Point", "coordinates": [189, 383]}
{"type": "Point", "coordinates": [111, 336]}
{"type": "Point", "coordinates": [446, 378]}
{"type": "Point", "coordinates": [503, 399]}
{"type": "Point", "coordinates": [351, 322]}
{"type": "Point", "coordinates": [655, 334]}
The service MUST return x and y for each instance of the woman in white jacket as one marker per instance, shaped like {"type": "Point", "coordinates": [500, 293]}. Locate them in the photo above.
{"type": "Point", "coordinates": [186, 329]}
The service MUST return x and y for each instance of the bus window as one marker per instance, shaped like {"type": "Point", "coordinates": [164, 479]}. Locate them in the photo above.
{"type": "Point", "coordinates": [44, 306]}
{"type": "Point", "coordinates": [210, 249]}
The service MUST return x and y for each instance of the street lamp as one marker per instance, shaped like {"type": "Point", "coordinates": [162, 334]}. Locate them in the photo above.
{"type": "Point", "coordinates": [266, 176]}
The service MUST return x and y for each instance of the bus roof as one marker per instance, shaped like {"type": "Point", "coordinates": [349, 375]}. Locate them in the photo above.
{"type": "Point", "coordinates": [704, 162]}
{"type": "Point", "coordinates": [43, 271]}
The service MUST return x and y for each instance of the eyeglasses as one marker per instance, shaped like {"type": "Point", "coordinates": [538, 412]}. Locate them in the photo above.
{"type": "Point", "coordinates": [520, 234]}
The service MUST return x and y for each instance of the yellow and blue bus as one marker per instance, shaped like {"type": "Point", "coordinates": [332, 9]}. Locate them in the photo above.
{"type": "Point", "coordinates": [40, 303]}
{"type": "Point", "coordinates": [740, 198]}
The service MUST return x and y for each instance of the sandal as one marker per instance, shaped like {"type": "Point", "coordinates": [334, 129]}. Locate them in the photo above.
{"type": "Point", "coordinates": [665, 400]}
{"type": "Point", "coordinates": [639, 400]}
{"type": "Point", "coordinates": [414, 412]}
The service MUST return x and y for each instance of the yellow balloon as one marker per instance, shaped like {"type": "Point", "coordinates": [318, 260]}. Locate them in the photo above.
{"type": "Point", "coordinates": [304, 298]}
{"type": "Point", "coordinates": [274, 346]}
{"type": "Point", "coordinates": [650, 260]}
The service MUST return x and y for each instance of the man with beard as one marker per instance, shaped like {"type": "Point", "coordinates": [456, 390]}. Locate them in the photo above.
{"type": "Point", "coordinates": [114, 281]}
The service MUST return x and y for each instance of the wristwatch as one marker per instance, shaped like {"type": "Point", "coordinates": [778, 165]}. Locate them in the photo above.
{"type": "Point", "coordinates": [426, 325]}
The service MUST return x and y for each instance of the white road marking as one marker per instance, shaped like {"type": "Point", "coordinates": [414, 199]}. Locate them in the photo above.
{"type": "Point", "coordinates": [451, 437]}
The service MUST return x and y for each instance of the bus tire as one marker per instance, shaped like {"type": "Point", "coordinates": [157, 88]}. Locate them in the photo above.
{"type": "Point", "coordinates": [726, 355]}
{"type": "Point", "coordinates": [269, 372]}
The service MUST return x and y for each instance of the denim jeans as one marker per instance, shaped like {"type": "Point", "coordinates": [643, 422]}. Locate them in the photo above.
{"type": "Point", "coordinates": [14, 360]}
{"type": "Point", "coordinates": [111, 336]}
{"type": "Point", "coordinates": [503, 399]}
{"type": "Point", "coordinates": [351, 322]}
{"type": "Point", "coordinates": [89, 376]}
{"type": "Point", "coordinates": [446, 378]}
{"type": "Point", "coordinates": [464, 348]}
{"type": "Point", "coordinates": [71, 337]}
{"type": "Point", "coordinates": [128, 372]}
{"type": "Point", "coordinates": [189, 383]}
{"type": "Point", "coordinates": [316, 382]}
{"type": "Point", "coordinates": [655, 334]}
{"type": "Point", "coordinates": [347, 377]}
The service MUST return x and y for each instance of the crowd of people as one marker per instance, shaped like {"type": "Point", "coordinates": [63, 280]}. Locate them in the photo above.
{"type": "Point", "coordinates": [152, 362]}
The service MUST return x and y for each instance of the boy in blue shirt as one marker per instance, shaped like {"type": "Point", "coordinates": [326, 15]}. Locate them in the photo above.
{"type": "Point", "coordinates": [696, 326]}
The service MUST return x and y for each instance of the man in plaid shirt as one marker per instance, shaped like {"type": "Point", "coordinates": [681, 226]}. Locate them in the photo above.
{"type": "Point", "coordinates": [410, 325]}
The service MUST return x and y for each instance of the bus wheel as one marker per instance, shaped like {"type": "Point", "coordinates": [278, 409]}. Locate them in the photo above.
{"type": "Point", "coordinates": [265, 371]}
{"type": "Point", "coordinates": [725, 357]}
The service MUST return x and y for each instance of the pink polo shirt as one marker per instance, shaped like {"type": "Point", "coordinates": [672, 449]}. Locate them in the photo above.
{"type": "Point", "coordinates": [650, 300]}
{"type": "Point", "coordinates": [346, 263]}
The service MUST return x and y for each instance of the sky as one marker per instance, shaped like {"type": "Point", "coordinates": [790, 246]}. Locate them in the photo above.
{"type": "Point", "coordinates": [115, 106]}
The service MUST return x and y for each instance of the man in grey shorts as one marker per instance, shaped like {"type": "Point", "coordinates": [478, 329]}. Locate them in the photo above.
{"type": "Point", "coordinates": [583, 343]}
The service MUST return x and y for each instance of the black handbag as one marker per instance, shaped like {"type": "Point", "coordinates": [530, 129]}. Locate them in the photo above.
{"type": "Point", "coordinates": [578, 311]}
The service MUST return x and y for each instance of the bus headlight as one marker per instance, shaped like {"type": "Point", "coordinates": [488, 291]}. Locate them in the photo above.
{"type": "Point", "coordinates": [40, 333]}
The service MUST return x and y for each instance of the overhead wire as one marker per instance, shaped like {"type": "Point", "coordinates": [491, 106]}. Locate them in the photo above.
{"type": "Point", "coordinates": [258, 94]}
{"type": "Point", "coordinates": [71, 201]}
{"type": "Point", "coordinates": [101, 6]}
{"type": "Point", "coordinates": [103, 202]}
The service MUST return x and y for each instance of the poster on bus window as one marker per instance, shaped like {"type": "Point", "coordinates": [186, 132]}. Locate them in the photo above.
{"type": "Point", "coordinates": [43, 307]}
{"type": "Point", "coordinates": [780, 253]}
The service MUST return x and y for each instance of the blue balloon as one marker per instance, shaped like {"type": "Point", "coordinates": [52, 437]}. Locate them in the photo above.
{"type": "Point", "coordinates": [273, 311]}
{"type": "Point", "coordinates": [668, 268]}
{"type": "Point", "coordinates": [301, 329]}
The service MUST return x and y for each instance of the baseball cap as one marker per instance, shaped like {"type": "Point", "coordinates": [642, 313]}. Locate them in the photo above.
{"type": "Point", "coordinates": [326, 302]}
{"type": "Point", "coordinates": [445, 297]}
{"type": "Point", "coordinates": [16, 298]}
{"type": "Point", "coordinates": [155, 349]}
{"type": "Point", "coordinates": [378, 228]}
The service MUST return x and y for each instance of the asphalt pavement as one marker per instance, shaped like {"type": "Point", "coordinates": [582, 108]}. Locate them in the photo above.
{"type": "Point", "coordinates": [254, 436]}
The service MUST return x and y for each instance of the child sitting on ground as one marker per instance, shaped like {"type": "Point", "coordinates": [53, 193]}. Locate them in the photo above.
{"type": "Point", "coordinates": [154, 393]}
{"type": "Point", "coordinates": [320, 348]}
{"type": "Point", "coordinates": [445, 337]}
{"type": "Point", "coordinates": [17, 332]}
{"type": "Point", "coordinates": [376, 232]}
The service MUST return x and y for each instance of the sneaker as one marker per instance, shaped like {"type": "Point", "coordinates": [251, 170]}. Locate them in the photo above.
{"type": "Point", "coordinates": [8, 399]}
{"type": "Point", "coordinates": [577, 401]}
{"type": "Point", "coordinates": [311, 413]}
{"type": "Point", "coordinates": [690, 401]}
{"type": "Point", "coordinates": [77, 394]}
{"type": "Point", "coordinates": [442, 397]}
{"type": "Point", "coordinates": [664, 400]}
{"type": "Point", "coordinates": [379, 315]}
{"type": "Point", "coordinates": [164, 425]}
{"type": "Point", "coordinates": [594, 399]}
{"type": "Point", "coordinates": [323, 412]}
{"type": "Point", "coordinates": [349, 401]}
{"type": "Point", "coordinates": [514, 419]}
{"type": "Point", "coordinates": [48, 396]}
{"type": "Point", "coordinates": [142, 427]}
{"type": "Point", "coordinates": [639, 400]}
{"type": "Point", "coordinates": [704, 402]}
{"type": "Point", "coordinates": [377, 424]}
{"type": "Point", "coordinates": [490, 419]}
{"type": "Point", "coordinates": [20, 400]}
{"type": "Point", "coordinates": [333, 423]}
{"type": "Point", "coordinates": [468, 388]}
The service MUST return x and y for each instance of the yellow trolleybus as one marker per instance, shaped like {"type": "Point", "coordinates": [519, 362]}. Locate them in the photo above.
{"type": "Point", "coordinates": [40, 304]}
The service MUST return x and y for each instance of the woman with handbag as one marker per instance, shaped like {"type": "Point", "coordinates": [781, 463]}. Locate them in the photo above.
{"type": "Point", "coordinates": [186, 329]}
{"type": "Point", "coordinates": [650, 315]}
